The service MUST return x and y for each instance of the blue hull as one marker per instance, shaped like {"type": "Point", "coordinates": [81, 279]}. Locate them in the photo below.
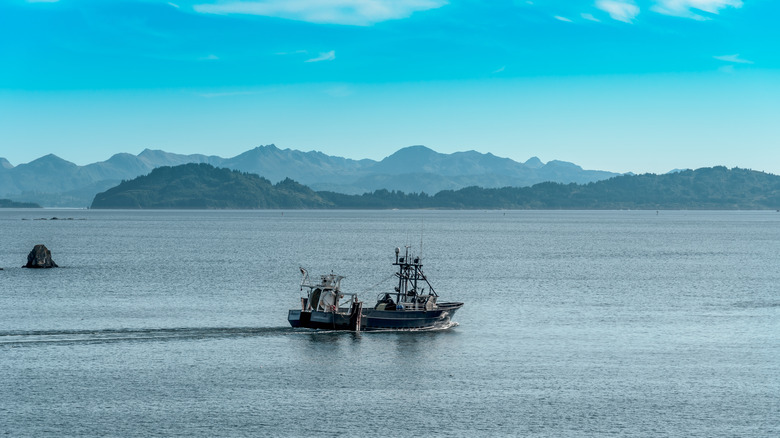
{"type": "Point", "coordinates": [320, 320]}
{"type": "Point", "coordinates": [373, 319]}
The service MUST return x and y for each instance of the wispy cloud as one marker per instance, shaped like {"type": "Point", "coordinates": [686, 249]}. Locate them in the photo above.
{"type": "Point", "coordinates": [590, 17]}
{"type": "Point", "coordinates": [326, 56]}
{"type": "Point", "coordinates": [211, 57]}
{"type": "Point", "coordinates": [295, 52]}
{"type": "Point", "coordinates": [347, 12]}
{"type": "Point", "coordinates": [560, 18]}
{"type": "Point", "coordinates": [733, 58]}
{"type": "Point", "coordinates": [621, 10]}
{"type": "Point", "coordinates": [687, 8]}
{"type": "Point", "coordinates": [174, 5]}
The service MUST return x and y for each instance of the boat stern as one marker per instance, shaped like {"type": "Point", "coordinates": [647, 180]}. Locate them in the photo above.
{"type": "Point", "coordinates": [298, 318]}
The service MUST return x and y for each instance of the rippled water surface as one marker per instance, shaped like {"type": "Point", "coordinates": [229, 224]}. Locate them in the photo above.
{"type": "Point", "coordinates": [172, 323]}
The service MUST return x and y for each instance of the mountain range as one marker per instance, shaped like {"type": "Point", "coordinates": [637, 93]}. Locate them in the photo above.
{"type": "Point", "coordinates": [54, 182]}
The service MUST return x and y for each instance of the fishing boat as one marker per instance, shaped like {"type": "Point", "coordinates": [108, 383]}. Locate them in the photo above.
{"type": "Point", "coordinates": [411, 305]}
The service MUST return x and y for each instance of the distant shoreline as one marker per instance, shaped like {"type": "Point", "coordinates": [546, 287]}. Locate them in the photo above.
{"type": "Point", "coordinates": [7, 203]}
{"type": "Point", "coordinates": [203, 186]}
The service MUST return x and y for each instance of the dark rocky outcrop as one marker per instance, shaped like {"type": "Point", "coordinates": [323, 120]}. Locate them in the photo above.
{"type": "Point", "coordinates": [40, 257]}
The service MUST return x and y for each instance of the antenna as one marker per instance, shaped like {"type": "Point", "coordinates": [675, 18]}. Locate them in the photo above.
{"type": "Point", "coordinates": [422, 231]}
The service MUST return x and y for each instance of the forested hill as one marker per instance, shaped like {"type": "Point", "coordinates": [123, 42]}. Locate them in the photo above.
{"type": "Point", "coordinates": [203, 186]}
{"type": "Point", "coordinates": [712, 188]}
{"type": "Point", "coordinates": [7, 203]}
{"type": "Point", "coordinates": [715, 188]}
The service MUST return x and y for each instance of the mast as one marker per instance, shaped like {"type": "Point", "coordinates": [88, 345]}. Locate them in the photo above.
{"type": "Point", "coordinates": [410, 275]}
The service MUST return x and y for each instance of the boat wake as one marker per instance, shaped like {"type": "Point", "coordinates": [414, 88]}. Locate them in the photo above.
{"type": "Point", "coordinates": [20, 338]}
{"type": "Point", "coordinates": [436, 328]}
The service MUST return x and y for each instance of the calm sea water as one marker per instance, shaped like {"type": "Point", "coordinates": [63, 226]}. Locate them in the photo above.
{"type": "Point", "coordinates": [173, 323]}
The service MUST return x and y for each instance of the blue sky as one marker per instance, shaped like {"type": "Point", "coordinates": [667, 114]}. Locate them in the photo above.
{"type": "Point", "coordinates": [620, 85]}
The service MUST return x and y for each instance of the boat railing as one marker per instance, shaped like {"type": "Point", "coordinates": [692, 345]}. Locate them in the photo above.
{"type": "Point", "coordinates": [326, 282]}
{"type": "Point", "coordinates": [347, 299]}
{"type": "Point", "coordinates": [410, 302]}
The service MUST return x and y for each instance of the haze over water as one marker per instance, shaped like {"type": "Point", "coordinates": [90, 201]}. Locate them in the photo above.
{"type": "Point", "coordinates": [173, 323]}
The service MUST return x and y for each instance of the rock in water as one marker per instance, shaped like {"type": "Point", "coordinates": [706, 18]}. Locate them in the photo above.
{"type": "Point", "coordinates": [40, 257]}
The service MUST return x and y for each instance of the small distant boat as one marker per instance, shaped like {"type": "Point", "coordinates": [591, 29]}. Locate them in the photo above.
{"type": "Point", "coordinates": [412, 305]}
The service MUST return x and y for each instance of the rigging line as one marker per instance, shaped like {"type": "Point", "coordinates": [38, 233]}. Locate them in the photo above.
{"type": "Point", "coordinates": [380, 282]}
